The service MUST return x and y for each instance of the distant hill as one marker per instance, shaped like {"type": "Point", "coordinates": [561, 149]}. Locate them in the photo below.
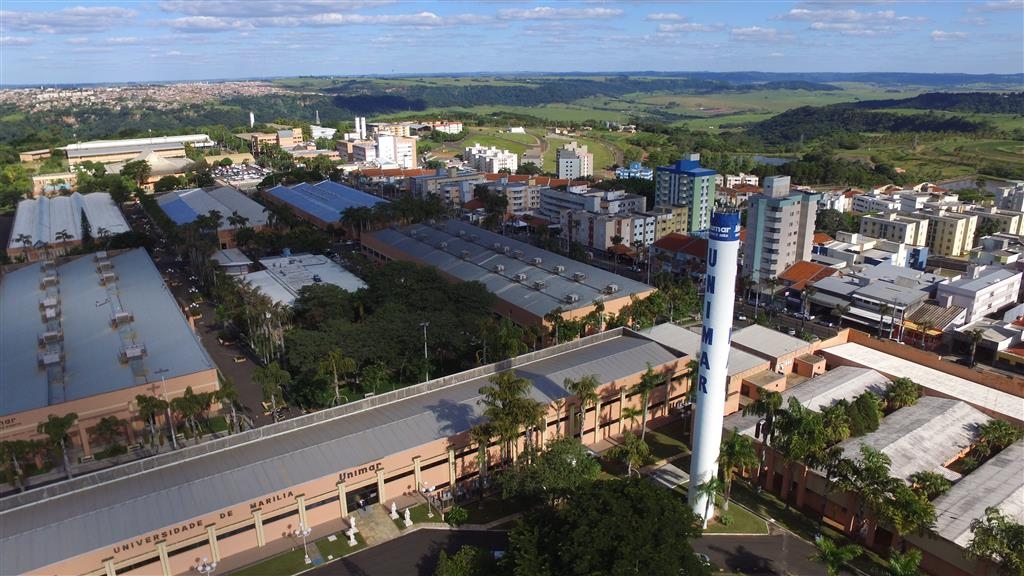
{"type": "Point", "coordinates": [977, 102]}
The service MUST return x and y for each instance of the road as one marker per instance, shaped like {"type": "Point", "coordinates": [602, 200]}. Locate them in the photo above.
{"type": "Point", "coordinates": [416, 554]}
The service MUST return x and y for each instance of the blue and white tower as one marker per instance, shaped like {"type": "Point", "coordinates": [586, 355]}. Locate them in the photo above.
{"type": "Point", "coordinates": [719, 295]}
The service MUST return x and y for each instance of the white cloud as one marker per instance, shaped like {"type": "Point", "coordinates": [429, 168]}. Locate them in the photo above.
{"type": "Point", "coordinates": [661, 16]}
{"type": "Point", "coordinates": [548, 13]}
{"type": "Point", "coordinates": [79, 18]}
{"type": "Point", "coordinates": [16, 41]}
{"type": "Point", "coordinates": [689, 27]}
{"type": "Point", "coordinates": [250, 9]}
{"type": "Point", "coordinates": [420, 20]}
{"type": "Point", "coordinates": [998, 6]}
{"type": "Point", "coordinates": [77, 40]}
{"type": "Point", "coordinates": [122, 41]}
{"type": "Point", "coordinates": [975, 21]}
{"type": "Point", "coordinates": [832, 15]}
{"type": "Point", "coordinates": [777, 55]}
{"type": "Point", "coordinates": [943, 36]}
{"type": "Point", "coordinates": [757, 33]}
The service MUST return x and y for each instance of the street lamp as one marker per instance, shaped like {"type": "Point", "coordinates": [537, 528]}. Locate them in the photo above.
{"type": "Point", "coordinates": [301, 532]}
{"type": "Point", "coordinates": [163, 389]}
{"type": "Point", "coordinates": [205, 566]}
{"type": "Point", "coordinates": [426, 496]}
{"type": "Point", "coordinates": [426, 361]}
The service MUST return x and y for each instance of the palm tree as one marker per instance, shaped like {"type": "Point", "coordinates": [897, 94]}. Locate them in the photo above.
{"type": "Point", "coordinates": [585, 391]}
{"type": "Point", "coordinates": [839, 311]}
{"type": "Point", "coordinates": [998, 434]}
{"type": "Point", "coordinates": [149, 407]}
{"type": "Point", "coordinates": [56, 430]}
{"type": "Point", "coordinates": [12, 452]}
{"type": "Point", "coordinates": [930, 484]}
{"type": "Point", "coordinates": [508, 409]}
{"type": "Point", "coordinates": [633, 451]}
{"type": "Point", "coordinates": [974, 337]}
{"type": "Point", "coordinates": [834, 556]}
{"type": "Point", "coordinates": [737, 451]}
{"type": "Point", "coordinates": [631, 413]}
{"type": "Point", "coordinates": [110, 429]}
{"type": "Point", "coordinates": [481, 435]}
{"type": "Point", "coordinates": [708, 490]}
{"type": "Point", "coordinates": [883, 309]}
{"type": "Point", "coordinates": [871, 482]}
{"type": "Point", "coordinates": [767, 406]}
{"type": "Point", "coordinates": [649, 380]}
{"type": "Point", "coordinates": [228, 394]}
{"type": "Point", "coordinates": [904, 563]}
{"type": "Point", "coordinates": [336, 363]}
{"type": "Point", "coordinates": [801, 437]}
{"type": "Point", "coordinates": [271, 380]}
{"type": "Point", "coordinates": [902, 392]}
{"type": "Point", "coordinates": [924, 326]}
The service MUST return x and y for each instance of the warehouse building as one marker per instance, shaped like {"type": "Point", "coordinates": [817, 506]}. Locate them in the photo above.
{"type": "Point", "coordinates": [235, 208]}
{"type": "Point", "coordinates": [48, 227]}
{"type": "Point", "coordinates": [320, 204]}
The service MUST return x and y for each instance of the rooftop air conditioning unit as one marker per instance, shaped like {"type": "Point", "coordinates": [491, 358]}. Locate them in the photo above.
{"type": "Point", "coordinates": [559, 269]}
{"type": "Point", "coordinates": [107, 278]}
{"type": "Point", "coordinates": [579, 276]}
{"type": "Point", "coordinates": [132, 352]}
{"type": "Point", "coordinates": [517, 254]}
{"type": "Point", "coordinates": [572, 298]}
{"type": "Point", "coordinates": [499, 268]}
{"type": "Point", "coordinates": [496, 246]}
{"type": "Point", "coordinates": [474, 237]}
{"type": "Point", "coordinates": [506, 250]}
{"type": "Point", "coordinates": [465, 254]}
{"type": "Point", "coordinates": [443, 245]}
{"type": "Point", "coordinates": [519, 277]}
{"type": "Point", "coordinates": [121, 318]}
{"type": "Point", "coordinates": [104, 266]}
{"type": "Point", "coordinates": [100, 256]}
{"type": "Point", "coordinates": [462, 233]}
{"type": "Point", "coordinates": [611, 288]}
{"type": "Point", "coordinates": [537, 261]}
{"type": "Point", "coordinates": [49, 280]}
{"type": "Point", "coordinates": [539, 285]}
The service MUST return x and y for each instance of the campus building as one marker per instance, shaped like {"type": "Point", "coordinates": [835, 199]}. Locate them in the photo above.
{"type": "Point", "coordinates": [687, 183]}
{"type": "Point", "coordinates": [47, 227]}
{"type": "Point", "coordinates": [87, 336]}
{"type": "Point", "coordinates": [236, 210]}
{"type": "Point", "coordinates": [320, 204]}
{"type": "Point", "coordinates": [106, 151]}
{"type": "Point", "coordinates": [529, 283]}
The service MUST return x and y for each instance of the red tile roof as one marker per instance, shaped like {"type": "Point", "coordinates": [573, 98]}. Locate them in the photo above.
{"type": "Point", "coordinates": [822, 238]}
{"type": "Point", "coordinates": [681, 243]}
{"type": "Point", "coordinates": [400, 172]}
{"type": "Point", "coordinates": [803, 272]}
{"type": "Point", "coordinates": [474, 204]}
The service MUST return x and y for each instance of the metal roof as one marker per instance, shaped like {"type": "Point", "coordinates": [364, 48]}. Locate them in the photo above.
{"type": "Point", "coordinates": [184, 206]}
{"type": "Point", "coordinates": [123, 149]}
{"type": "Point", "coordinates": [250, 465]}
{"type": "Point", "coordinates": [767, 342]}
{"type": "Point", "coordinates": [943, 383]}
{"type": "Point", "coordinates": [325, 200]}
{"type": "Point", "coordinates": [688, 342]}
{"type": "Point", "coordinates": [998, 482]}
{"type": "Point", "coordinates": [286, 275]}
{"type": "Point", "coordinates": [820, 392]}
{"type": "Point", "coordinates": [923, 437]}
{"type": "Point", "coordinates": [469, 253]}
{"type": "Point", "coordinates": [974, 285]}
{"type": "Point", "coordinates": [91, 345]}
{"type": "Point", "coordinates": [42, 218]}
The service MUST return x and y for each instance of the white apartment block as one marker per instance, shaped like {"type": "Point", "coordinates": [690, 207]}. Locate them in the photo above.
{"type": "Point", "coordinates": [490, 160]}
{"type": "Point", "coordinates": [447, 127]}
{"type": "Point", "coordinates": [555, 203]}
{"type": "Point", "coordinates": [988, 291]}
{"type": "Point", "coordinates": [899, 228]}
{"type": "Point", "coordinates": [573, 161]}
{"type": "Point", "coordinates": [396, 150]}
{"type": "Point", "coordinates": [734, 180]}
{"type": "Point", "coordinates": [1011, 197]}
{"type": "Point", "coordinates": [1009, 221]}
{"type": "Point", "coordinates": [876, 202]}
{"type": "Point", "coordinates": [837, 201]}
{"type": "Point", "coordinates": [363, 151]}
{"type": "Point", "coordinates": [523, 197]}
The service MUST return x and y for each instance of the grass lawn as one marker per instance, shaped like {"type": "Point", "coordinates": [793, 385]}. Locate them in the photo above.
{"type": "Point", "coordinates": [491, 509]}
{"type": "Point", "coordinates": [741, 520]}
{"type": "Point", "coordinates": [288, 563]}
{"type": "Point", "coordinates": [339, 547]}
{"type": "Point", "coordinates": [418, 514]}
{"type": "Point", "coordinates": [663, 445]}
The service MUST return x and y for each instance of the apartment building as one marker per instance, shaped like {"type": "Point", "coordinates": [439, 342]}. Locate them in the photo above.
{"type": "Point", "coordinates": [491, 160]}
{"type": "Point", "coordinates": [1009, 221]}
{"type": "Point", "coordinates": [853, 249]}
{"type": "Point", "coordinates": [523, 197]}
{"type": "Point", "coordinates": [876, 201]}
{"type": "Point", "coordinates": [734, 180]}
{"type": "Point", "coordinates": [596, 230]}
{"type": "Point", "coordinates": [574, 161]}
{"type": "Point", "coordinates": [900, 228]}
{"type": "Point", "coordinates": [453, 185]}
{"type": "Point", "coordinates": [634, 170]}
{"type": "Point", "coordinates": [555, 203]}
{"type": "Point", "coordinates": [668, 220]}
{"type": "Point", "coordinates": [289, 138]}
{"type": "Point", "coordinates": [396, 150]}
{"type": "Point", "coordinates": [1011, 197]}
{"type": "Point", "coordinates": [780, 229]}
{"type": "Point", "coordinates": [687, 183]}
{"type": "Point", "coordinates": [950, 233]}
{"type": "Point", "coordinates": [988, 290]}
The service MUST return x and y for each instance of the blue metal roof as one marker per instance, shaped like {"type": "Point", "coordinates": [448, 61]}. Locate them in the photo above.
{"type": "Point", "coordinates": [179, 211]}
{"type": "Point", "coordinates": [325, 200]}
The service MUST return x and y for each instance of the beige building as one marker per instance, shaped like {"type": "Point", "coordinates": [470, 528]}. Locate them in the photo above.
{"type": "Point", "coordinates": [950, 233]}
{"type": "Point", "coordinates": [901, 228]}
{"type": "Point", "coordinates": [669, 220]}
{"type": "Point", "coordinates": [53, 184]}
{"type": "Point", "coordinates": [780, 229]}
{"type": "Point", "coordinates": [106, 151]}
{"type": "Point", "coordinates": [1009, 221]}
{"type": "Point", "coordinates": [33, 155]}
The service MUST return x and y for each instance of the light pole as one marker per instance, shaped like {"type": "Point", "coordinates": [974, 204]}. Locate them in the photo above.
{"type": "Point", "coordinates": [426, 496]}
{"type": "Point", "coordinates": [163, 389]}
{"type": "Point", "coordinates": [426, 361]}
{"type": "Point", "coordinates": [205, 566]}
{"type": "Point", "coordinates": [301, 532]}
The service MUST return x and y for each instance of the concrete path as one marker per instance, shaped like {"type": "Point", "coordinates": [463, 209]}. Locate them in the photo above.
{"type": "Point", "coordinates": [375, 525]}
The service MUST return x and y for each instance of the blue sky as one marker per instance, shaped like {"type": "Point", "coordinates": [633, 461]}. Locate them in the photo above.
{"type": "Point", "coordinates": [108, 41]}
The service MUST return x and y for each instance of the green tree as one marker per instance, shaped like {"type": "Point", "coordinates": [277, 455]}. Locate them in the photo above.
{"type": "Point", "coordinates": [974, 337]}
{"type": "Point", "coordinates": [767, 407]}
{"type": "Point", "coordinates": [137, 170]}
{"type": "Point", "coordinates": [560, 469]}
{"type": "Point", "coordinates": [648, 382]}
{"type": "Point", "coordinates": [904, 563]}
{"type": "Point", "coordinates": [149, 407]}
{"type": "Point", "coordinates": [227, 394]}
{"type": "Point", "coordinates": [908, 511]}
{"type": "Point", "coordinates": [865, 414]}
{"type": "Point", "coordinates": [508, 408]}
{"type": "Point", "coordinates": [456, 516]}
{"type": "Point", "coordinates": [999, 539]}
{"type": "Point", "coordinates": [632, 451]}
{"type": "Point", "coordinates": [833, 555]}
{"type": "Point", "coordinates": [12, 454]}
{"type": "Point", "coordinates": [902, 392]}
{"type": "Point", "coordinates": [56, 430]}
{"type": "Point", "coordinates": [996, 435]}
{"type": "Point", "coordinates": [272, 379]}
{"type": "Point", "coordinates": [737, 452]}
{"type": "Point", "coordinates": [110, 430]}
{"type": "Point", "coordinates": [870, 480]}
{"type": "Point", "coordinates": [930, 484]}
{"type": "Point", "coordinates": [708, 490]}
{"type": "Point", "coordinates": [585, 391]}
{"type": "Point", "coordinates": [467, 561]}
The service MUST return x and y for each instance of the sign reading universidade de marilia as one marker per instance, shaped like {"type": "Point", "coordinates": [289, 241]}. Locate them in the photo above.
{"type": "Point", "coordinates": [719, 296]}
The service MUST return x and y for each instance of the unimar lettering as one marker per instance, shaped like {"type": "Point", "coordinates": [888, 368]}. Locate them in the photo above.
{"type": "Point", "coordinates": [157, 537]}
{"type": "Point", "coordinates": [357, 472]}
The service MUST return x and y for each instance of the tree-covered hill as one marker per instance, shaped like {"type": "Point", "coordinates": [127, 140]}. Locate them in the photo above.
{"type": "Point", "coordinates": [975, 102]}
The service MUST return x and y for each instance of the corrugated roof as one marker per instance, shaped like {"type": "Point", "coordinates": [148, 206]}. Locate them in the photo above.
{"type": "Point", "coordinates": [42, 218]}
{"type": "Point", "coordinates": [943, 383]}
{"type": "Point", "coordinates": [923, 437]}
{"type": "Point", "coordinates": [91, 346]}
{"type": "Point", "coordinates": [287, 454]}
{"type": "Point", "coordinates": [184, 206]}
{"type": "Point", "coordinates": [998, 482]}
{"type": "Point", "coordinates": [325, 200]}
{"type": "Point", "coordinates": [688, 342]}
{"type": "Point", "coordinates": [442, 246]}
{"type": "Point", "coordinates": [766, 342]}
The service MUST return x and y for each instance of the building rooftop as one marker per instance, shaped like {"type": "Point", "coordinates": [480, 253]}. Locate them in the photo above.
{"type": "Point", "coordinates": [184, 206]}
{"type": "Point", "coordinates": [40, 527]}
{"type": "Point", "coordinates": [987, 278]}
{"type": "Point", "coordinates": [820, 392]}
{"type": "Point", "coordinates": [688, 342]}
{"type": "Point", "coordinates": [767, 343]}
{"type": "Point", "coordinates": [923, 437]}
{"type": "Point", "coordinates": [803, 272]}
{"type": "Point", "coordinates": [998, 482]}
{"type": "Point", "coordinates": [988, 399]}
{"type": "Point", "coordinates": [286, 275]}
{"type": "Point", "coordinates": [199, 140]}
{"type": "Point", "coordinates": [468, 253]}
{"type": "Point", "coordinates": [42, 218]}
{"type": "Point", "coordinates": [324, 200]}
{"type": "Point", "coordinates": [76, 153]}
{"type": "Point", "coordinates": [91, 345]}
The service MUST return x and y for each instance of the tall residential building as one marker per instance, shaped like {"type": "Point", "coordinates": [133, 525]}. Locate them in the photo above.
{"type": "Point", "coordinates": [491, 160]}
{"type": "Point", "coordinates": [780, 229]}
{"type": "Point", "coordinates": [950, 233]}
{"type": "Point", "coordinates": [902, 228]}
{"type": "Point", "coordinates": [1008, 221]}
{"type": "Point", "coordinates": [687, 183]}
{"type": "Point", "coordinates": [573, 161]}
{"type": "Point", "coordinates": [396, 150]}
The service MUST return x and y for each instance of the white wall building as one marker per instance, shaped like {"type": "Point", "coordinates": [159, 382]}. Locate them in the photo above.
{"type": "Point", "coordinates": [988, 291]}
{"type": "Point", "coordinates": [734, 180]}
{"type": "Point", "coordinates": [876, 202]}
{"type": "Point", "coordinates": [573, 161]}
{"type": "Point", "coordinates": [491, 159]}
